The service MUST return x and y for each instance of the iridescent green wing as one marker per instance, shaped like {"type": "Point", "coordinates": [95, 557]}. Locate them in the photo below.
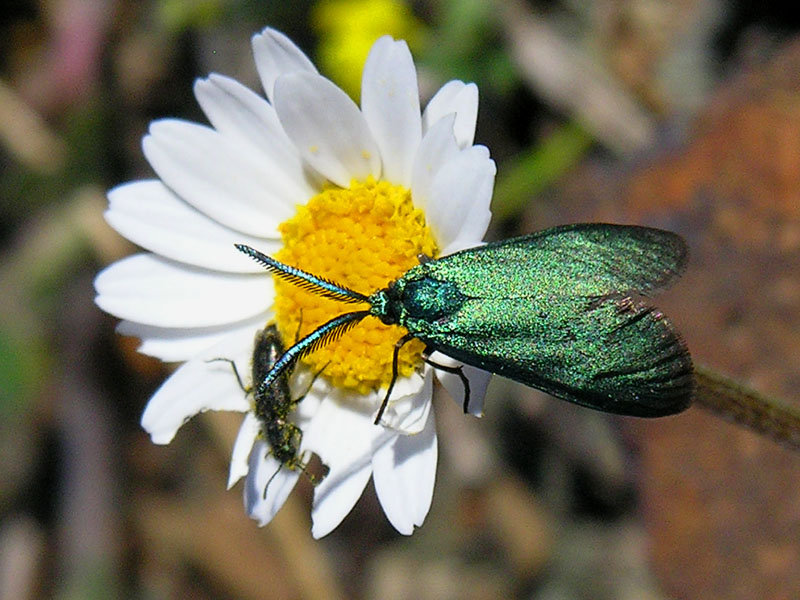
{"type": "Point", "coordinates": [588, 259]}
{"type": "Point", "coordinates": [556, 311]}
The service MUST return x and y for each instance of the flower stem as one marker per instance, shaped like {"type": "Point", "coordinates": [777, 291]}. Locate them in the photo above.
{"type": "Point", "coordinates": [734, 402]}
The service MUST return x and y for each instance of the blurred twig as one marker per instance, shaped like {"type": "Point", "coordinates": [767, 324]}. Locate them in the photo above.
{"type": "Point", "coordinates": [26, 135]}
{"type": "Point", "coordinates": [309, 566]}
{"type": "Point", "coordinates": [211, 536]}
{"type": "Point", "coordinates": [48, 245]}
{"type": "Point", "coordinates": [42, 258]}
{"type": "Point", "coordinates": [569, 79]}
{"type": "Point", "coordinates": [535, 169]}
{"type": "Point", "coordinates": [89, 521]}
{"type": "Point", "coordinates": [734, 402]}
{"type": "Point", "coordinates": [22, 551]}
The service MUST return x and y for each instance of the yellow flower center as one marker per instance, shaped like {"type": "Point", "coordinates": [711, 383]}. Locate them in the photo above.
{"type": "Point", "coordinates": [362, 237]}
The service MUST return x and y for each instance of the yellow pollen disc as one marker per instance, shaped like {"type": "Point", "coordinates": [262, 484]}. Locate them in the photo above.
{"type": "Point", "coordinates": [362, 237]}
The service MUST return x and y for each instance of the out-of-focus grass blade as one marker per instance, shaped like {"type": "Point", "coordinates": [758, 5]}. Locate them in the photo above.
{"type": "Point", "coordinates": [529, 173]}
{"type": "Point", "coordinates": [20, 373]}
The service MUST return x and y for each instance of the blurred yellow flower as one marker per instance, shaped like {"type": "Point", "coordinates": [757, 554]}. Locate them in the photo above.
{"type": "Point", "coordinates": [347, 30]}
{"type": "Point", "coordinates": [178, 15]}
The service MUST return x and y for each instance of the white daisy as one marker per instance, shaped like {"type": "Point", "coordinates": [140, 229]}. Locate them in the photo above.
{"type": "Point", "coordinates": [350, 194]}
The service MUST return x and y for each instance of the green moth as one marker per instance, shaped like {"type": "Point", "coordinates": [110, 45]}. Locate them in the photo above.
{"type": "Point", "coordinates": [559, 310]}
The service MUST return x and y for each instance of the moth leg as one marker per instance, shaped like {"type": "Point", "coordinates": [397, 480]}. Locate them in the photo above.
{"type": "Point", "coordinates": [235, 371]}
{"type": "Point", "coordinates": [456, 371]}
{"type": "Point", "coordinates": [400, 343]}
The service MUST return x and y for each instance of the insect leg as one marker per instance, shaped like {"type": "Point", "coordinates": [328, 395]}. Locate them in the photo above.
{"type": "Point", "coordinates": [303, 467]}
{"type": "Point", "coordinates": [317, 374]}
{"type": "Point", "coordinates": [296, 463]}
{"type": "Point", "coordinates": [400, 343]}
{"type": "Point", "coordinates": [310, 385]}
{"type": "Point", "coordinates": [456, 371]}
{"type": "Point", "coordinates": [299, 327]}
{"type": "Point", "coordinates": [235, 371]}
{"type": "Point", "coordinates": [266, 487]}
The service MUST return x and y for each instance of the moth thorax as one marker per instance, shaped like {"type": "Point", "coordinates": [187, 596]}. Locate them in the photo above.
{"type": "Point", "coordinates": [429, 299]}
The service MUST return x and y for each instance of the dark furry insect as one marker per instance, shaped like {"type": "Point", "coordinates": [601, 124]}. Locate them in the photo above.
{"type": "Point", "coordinates": [274, 403]}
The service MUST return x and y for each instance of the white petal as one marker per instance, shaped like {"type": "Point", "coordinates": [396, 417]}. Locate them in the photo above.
{"type": "Point", "coordinates": [438, 146]}
{"type": "Point", "coordinates": [478, 382]}
{"type": "Point", "coordinates": [155, 291]}
{"type": "Point", "coordinates": [458, 207]}
{"type": "Point", "coordinates": [149, 214]}
{"type": "Point", "coordinates": [335, 501]}
{"type": "Point", "coordinates": [343, 438]}
{"type": "Point", "coordinates": [406, 407]}
{"type": "Point", "coordinates": [461, 99]}
{"type": "Point", "coordinates": [276, 54]}
{"type": "Point", "coordinates": [404, 472]}
{"type": "Point", "coordinates": [267, 485]}
{"type": "Point", "coordinates": [198, 386]}
{"type": "Point", "coordinates": [178, 345]}
{"type": "Point", "coordinates": [390, 103]}
{"type": "Point", "coordinates": [407, 414]}
{"type": "Point", "coordinates": [246, 118]}
{"type": "Point", "coordinates": [326, 127]}
{"type": "Point", "coordinates": [477, 221]}
{"type": "Point", "coordinates": [462, 243]}
{"type": "Point", "coordinates": [242, 448]}
{"type": "Point", "coordinates": [220, 178]}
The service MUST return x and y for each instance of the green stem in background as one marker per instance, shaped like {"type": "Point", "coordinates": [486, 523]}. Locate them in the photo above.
{"type": "Point", "coordinates": [34, 271]}
{"type": "Point", "coordinates": [734, 402]}
{"type": "Point", "coordinates": [529, 173]}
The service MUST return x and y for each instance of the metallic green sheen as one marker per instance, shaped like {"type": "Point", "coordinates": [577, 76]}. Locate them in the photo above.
{"type": "Point", "coordinates": [557, 310]}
